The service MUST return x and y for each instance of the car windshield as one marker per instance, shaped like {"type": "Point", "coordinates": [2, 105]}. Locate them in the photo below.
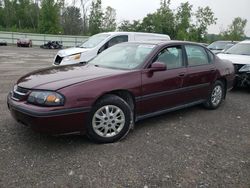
{"type": "Point", "coordinates": [218, 45]}
{"type": "Point", "coordinates": [239, 49]}
{"type": "Point", "coordinates": [123, 56]}
{"type": "Point", "coordinates": [94, 41]}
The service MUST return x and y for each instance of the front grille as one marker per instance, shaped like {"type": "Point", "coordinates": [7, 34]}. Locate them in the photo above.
{"type": "Point", "coordinates": [58, 60]}
{"type": "Point", "coordinates": [237, 67]}
{"type": "Point", "coordinates": [19, 93]}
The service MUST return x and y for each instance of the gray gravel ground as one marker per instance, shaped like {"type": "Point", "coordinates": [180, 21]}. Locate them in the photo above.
{"type": "Point", "coordinates": [193, 147]}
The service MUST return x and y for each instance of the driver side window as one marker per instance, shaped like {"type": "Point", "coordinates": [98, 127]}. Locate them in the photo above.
{"type": "Point", "coordinates": [114, 41]}
{"type": "Point", "coordinates": [171, 56]}
{"type": "Point", "coordinates": [117, 40]}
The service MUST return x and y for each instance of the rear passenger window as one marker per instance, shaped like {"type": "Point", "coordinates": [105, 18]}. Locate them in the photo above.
{"type": "Point", "coordinates": [196, 55]}
{"type": "Point", "coordinates": [171, 56]}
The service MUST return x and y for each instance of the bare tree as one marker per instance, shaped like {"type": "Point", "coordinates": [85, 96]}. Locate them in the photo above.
{"type": "Point", "coordinates": [85, 4]}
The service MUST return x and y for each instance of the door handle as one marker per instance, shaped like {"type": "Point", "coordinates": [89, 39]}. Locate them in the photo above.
{"type": "Point", "coordinates": [212, 70]}
{"type": "Point", "coordinates": [182, 74]}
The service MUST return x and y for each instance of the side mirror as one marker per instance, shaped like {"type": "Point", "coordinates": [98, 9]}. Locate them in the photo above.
{"type": "Point", "coordinates": [158, 66]}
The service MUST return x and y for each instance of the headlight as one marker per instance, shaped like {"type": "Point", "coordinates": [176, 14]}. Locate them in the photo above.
{"type": "Point", "coordinates": [46, 98]}
{"type": "Point", "coordinates": [245, 68]}
{"type": "Point", "coordinates": [72, 57]}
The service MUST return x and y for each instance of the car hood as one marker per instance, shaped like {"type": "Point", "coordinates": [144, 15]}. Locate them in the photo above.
{"type": "Point", "coordinates": [55, 78]}
{"type": "Point", "coordinates": [235, 59]}
{"type": "Point", "coordinates": [71, 51]}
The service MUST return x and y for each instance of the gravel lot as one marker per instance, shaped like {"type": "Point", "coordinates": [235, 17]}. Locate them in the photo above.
{"type": "Point", "coordinates": [189, 148]}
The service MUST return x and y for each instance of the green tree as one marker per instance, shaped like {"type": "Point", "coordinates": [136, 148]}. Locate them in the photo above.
{"type": "Point", "coordinates": [49, 21]}
{"type": "Point", "coordinates": [109, 19]}
{"type": "Point", "coordinates": [133, 26]}
{"type": "Point", "coordinates": [95, 17]}
{"type": "Point", "coordinates": [33, 16]}
{"type": "Point", "coordinates": [72, 21]}
{"type": "Point", "coordinates": [183, 21]}
{"type": "Point", "coordinates": [1, 14]}
{"type": "Point", "coordinates": [9, 14]}
{"type": "Point", "coordinates": [204, 18]}
{"type": "Point", "coordinates": [162, 21]}
{"type": "Point", "coordinates": [236, 30]}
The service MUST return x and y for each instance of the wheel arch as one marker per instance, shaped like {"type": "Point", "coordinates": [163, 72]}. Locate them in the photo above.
{"type": "Point", "coordinates": [124, 94]}
{"type": "Point", "coordinates": [224, 81]}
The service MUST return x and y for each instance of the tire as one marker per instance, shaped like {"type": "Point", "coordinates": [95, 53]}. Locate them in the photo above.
{"type": "Point", "coordinates": [111, 126]}
{"type": "Point", "coordinates": [216, 95]}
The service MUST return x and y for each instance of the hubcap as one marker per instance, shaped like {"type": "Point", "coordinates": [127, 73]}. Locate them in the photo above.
{"type": "Point", "coordinates": [108, 121]}
{"type": "Point", "coordinates": [216, 95]}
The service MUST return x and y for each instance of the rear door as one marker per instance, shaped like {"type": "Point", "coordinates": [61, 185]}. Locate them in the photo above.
{"type": "Point", "coordinates": [162, 89]}
{"type": "Point", "coordinates": [201, 72]}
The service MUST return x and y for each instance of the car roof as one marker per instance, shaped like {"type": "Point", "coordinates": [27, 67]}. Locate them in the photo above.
{"type": "Point", "coordinates": [163, 42]}
{"type": "Point", "coordinates": [245, 42]}
{"type": "Point", "coordinates": [127, 32]}
{"type": "Point", "coordinates": [226, 41]}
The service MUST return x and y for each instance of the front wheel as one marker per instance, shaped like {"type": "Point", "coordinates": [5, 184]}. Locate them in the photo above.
{"type": "Point", "coordinates": [216, 95]}
{"type": "Point", "coordinates": [109, 120]}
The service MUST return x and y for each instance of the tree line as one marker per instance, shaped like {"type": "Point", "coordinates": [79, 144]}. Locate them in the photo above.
{"type": "Point", "coordinates": [87, 17]}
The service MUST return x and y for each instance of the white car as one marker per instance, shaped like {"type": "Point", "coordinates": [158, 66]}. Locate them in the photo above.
{"type": "Point", "coordinates": [221, 46]}
{"type": "Point", "coordinates": [100, 42]}
{"type": "Point", "coordinates": [239, 55]}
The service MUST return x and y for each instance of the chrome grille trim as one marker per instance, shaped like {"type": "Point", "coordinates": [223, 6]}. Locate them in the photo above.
{"type": "Point", "coordinates": [19, 93]}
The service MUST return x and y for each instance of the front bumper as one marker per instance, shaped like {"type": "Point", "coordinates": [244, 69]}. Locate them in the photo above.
{"type": "Point", "coordinates": [242, 79]}
{"type": "Point", "coordinates": [45, 120]}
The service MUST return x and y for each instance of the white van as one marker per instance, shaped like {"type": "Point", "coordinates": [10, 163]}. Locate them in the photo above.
{"type": "Point", "coordinates": [100, 42]}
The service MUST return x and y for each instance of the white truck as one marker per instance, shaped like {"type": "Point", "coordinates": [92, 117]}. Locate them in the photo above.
{"type": "Point", "coordinates": [100, 42]}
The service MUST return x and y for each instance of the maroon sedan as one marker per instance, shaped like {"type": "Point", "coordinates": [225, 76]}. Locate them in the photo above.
{"type": "Point", "coordinates": [24, 42]}
{"type": "Point", "coordinates": [124, 84]}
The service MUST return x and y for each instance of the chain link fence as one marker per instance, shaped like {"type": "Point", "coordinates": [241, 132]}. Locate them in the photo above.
{"type": "Point", "coordinates": [40, 39]}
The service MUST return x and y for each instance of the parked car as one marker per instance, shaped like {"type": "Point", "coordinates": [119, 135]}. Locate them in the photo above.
{"type": "Point", "coordinates": [100, 42]}
{"type": "Point", "coordinates": [126, 83]}
{"type": "Point", "coordinates": [52, 45]}
{"type": "Point", "coordinates": [204, 44]}
{"type": "Point", "coordinates": [220, 46]}
{"type": "Point", "coordinates": [239, 54]}
{"type": "Point", "coordinates": [24, 42]}
{"type": "Point", "coordinates": [3, 43]}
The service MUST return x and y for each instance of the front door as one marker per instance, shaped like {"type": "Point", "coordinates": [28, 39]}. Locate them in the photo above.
{"type": "Point", "coordinates": [162, 90]}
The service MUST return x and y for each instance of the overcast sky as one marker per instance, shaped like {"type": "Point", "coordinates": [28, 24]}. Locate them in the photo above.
{"type": "Point", "coordinates": [224, 10]}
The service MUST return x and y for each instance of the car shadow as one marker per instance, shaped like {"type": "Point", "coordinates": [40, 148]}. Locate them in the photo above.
{"type": "Point", "coordinates": [52, 142]}
{"type": "Point", "coordinates": [240, 90]}
{"type": "Point", "coordinates": [168, 117]}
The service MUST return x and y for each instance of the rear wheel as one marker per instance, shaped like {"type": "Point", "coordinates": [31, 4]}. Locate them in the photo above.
{"type": "Point", "coordinates": [109, 120]}
{"type": "Point", "coordinates": [216, 95]}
